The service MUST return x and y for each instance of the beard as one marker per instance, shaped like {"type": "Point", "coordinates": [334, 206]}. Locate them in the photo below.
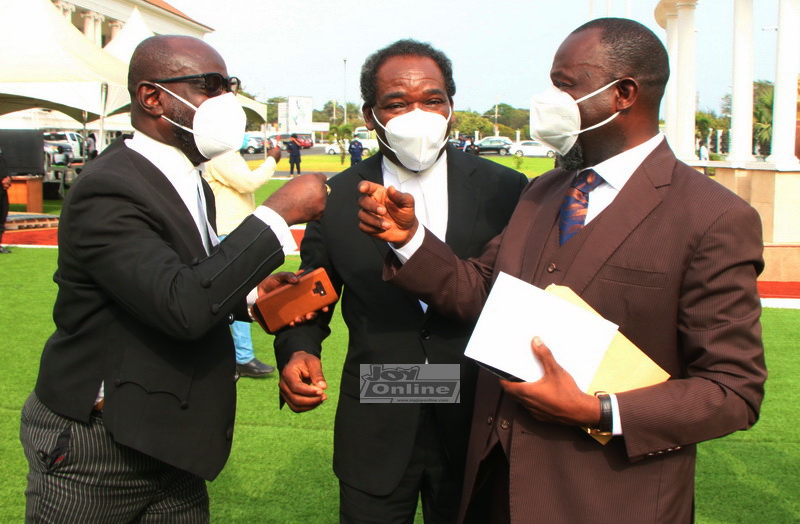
{"type": "Point", "coordinates": [573, 160]}
{"type": "Point", "coordinates": [185, 116]}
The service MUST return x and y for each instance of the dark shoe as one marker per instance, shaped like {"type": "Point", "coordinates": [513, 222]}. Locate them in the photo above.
{"type": "Point", "coordinates": [254, 368]}
{"type": "Point", "coordinates": [4, 250]}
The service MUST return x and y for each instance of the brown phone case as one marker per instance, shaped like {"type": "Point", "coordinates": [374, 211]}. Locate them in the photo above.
{"type": "Point", "coordinates": [282, 305]}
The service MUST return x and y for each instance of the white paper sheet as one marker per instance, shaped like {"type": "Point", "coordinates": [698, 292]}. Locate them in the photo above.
{"type": "Point", "coordinates": [516, 311]}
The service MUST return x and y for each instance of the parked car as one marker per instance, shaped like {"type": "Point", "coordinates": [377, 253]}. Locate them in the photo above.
{"type": "Point", "coordinates": [304, 139]}
{"type": "Point", "coordinates": [494, 144]}
{"type": "Point", "coordinates": [531, 148]}
{"type": "Point", "coordinates": [255, 144]}
{"type": "Point", "coordinates": [333, 148]}
{"type": "Point", "coordinates": [75, 141]}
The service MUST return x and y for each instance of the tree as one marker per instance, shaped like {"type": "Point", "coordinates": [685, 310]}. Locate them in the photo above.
{"type": "Point", "coordinates": [467, 122]}
{"type": "Point", "coordinates": [340, 134]}
{"type": "Point", "coordinates": [272, 108]}
{"type": "Point", "coordinates": [763, 100]}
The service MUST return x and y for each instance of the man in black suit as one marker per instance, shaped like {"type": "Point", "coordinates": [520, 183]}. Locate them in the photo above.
{"type": "Point", "coordinates": [134, 405]}
{"type": "Point", "coordinates": [387, 455]}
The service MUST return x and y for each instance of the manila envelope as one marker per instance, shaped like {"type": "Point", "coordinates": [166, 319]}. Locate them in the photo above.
{"type": "Point", "coordinates": [624, 366]}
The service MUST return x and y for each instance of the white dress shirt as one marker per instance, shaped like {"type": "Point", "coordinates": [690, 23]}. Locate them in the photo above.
{"type": "Point", "coordinates": [185, 178]}
{"type": "Point", "coordinates": [429, 189]}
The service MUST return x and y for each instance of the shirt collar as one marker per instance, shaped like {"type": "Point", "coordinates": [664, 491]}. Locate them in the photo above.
{"type": "Point", "coordinates": [168, 159]}
{"type": "Point", "coordinates": [617, 170]}
{"type": "Point", "coordinates": [404, 174]}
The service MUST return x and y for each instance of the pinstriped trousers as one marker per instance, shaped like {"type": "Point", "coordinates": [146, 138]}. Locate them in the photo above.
{"type": "Point", "coordinates": [79, 474]}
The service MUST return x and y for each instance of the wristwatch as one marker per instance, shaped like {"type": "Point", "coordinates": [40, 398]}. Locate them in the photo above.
{"type": "Point", "coordinates": [606, 424]}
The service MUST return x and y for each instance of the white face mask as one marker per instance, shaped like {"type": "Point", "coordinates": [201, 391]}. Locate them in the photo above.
{"type": "Point", "coordinates": [416, 137]}
{"type": "Point", "coordinates": [556, 119]}
{"type": "Point", "coordinates": [218, 124]}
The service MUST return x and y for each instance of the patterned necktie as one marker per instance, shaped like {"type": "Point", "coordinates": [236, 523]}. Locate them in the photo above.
{"type": "Point", "coordinates": [573, 210]}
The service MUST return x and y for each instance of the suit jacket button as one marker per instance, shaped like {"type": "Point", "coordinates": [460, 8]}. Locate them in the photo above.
{"type": "Point", "coordinates": [195, 261]}
{"type": "Point", "coordinates": [504, 424]}
{"type": "Point", "coordinates": [215, 308]}
{"type": "Point", "coordinates": [425, 334]}
{"type": "Point", "coordinates": [231, 318]}
{"type": "Point", "coordinates": [117, 382]}
{"type": "Point", "coordinates": [551, 267]}
{"type": "Point", "coordinates": [206, 283]}
{"type": "Point", "coordinates": [184, 405]}
{"type": "Point", "coordinates": [490, 420]}
{"type": "Point", "coordinates": [229, 434]}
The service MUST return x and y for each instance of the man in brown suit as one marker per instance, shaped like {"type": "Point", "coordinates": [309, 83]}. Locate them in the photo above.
{"type": "Point", "coordinates": [669, 255]}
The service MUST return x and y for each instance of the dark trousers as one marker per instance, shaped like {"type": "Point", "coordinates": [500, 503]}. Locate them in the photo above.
{"type": "Point", "coordinates": [3, 212]}
{"type": "Point", "coordinates": [292, 165]}
{"type": "Point", "coordinates": [429, 475]}
{"type": "Point", "coordinates": [79, 474]}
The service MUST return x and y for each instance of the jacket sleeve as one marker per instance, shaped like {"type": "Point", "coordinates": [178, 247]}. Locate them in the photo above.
{"type": "Point", "coordinates": [308, 337]}
{"type": "Point", "coordinates": [117, 240]}
{"type": "Point", "coordinates": [719, 334]}
{"type": "Point", "coordinates": [232, 170]}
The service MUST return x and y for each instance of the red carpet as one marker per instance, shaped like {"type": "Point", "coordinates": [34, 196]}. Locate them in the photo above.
{"type": "Point", "coordinates": [32, 237]}
{"type": "Point", "coordinates": [48, 237]}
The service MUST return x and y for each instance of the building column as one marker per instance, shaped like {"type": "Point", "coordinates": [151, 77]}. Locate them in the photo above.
{"type": "Point", "coordinates": [98, 29]}
{"type": "Point", "coordinates": [88, 24]}
{"type": "Point", "coordinates": [741, 145]}
{"type": "Point", "coordinates": [687, 81]}
{"type": "Point", "coordinates": [784, 111]}
{"type": "Point", "coordinates": [66, 9]}
{"type": "Point", "coordinates": [115, 26]}
{"type": "Point", "coordinates": [671, 95]}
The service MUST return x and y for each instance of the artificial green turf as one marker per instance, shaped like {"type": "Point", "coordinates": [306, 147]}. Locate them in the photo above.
{"type": "Point", "coordinates": [280, 466]}
{"type": "Point", "coordinates": [529, 166]}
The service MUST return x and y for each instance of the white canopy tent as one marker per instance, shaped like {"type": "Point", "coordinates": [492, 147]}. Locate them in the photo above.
{"type": "Point", "coordinates": [47, 62]}
{"type": "Point", "coordinates": [130, 36]}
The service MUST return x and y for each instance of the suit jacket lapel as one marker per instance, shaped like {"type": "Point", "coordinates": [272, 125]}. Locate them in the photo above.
{"type": "Point", "coordinates": [172, 205]}
{"type": "Point", "coordinates": [371, 170]}
{"type": "Point", "coordinates": [635, 202]}
{"type": "Point", "coordinates": [463, 201]}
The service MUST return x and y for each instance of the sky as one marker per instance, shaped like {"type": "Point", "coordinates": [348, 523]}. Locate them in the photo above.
{"type": "Point", "coordinates": [501, 51]}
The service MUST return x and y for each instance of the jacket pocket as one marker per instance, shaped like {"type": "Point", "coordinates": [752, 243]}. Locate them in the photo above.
{"type": "Point", "coordinates": [634, 277]}
{"type": "Point", "coordinates": [161, 372]}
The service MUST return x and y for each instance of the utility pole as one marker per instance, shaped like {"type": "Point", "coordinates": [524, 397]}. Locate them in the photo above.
{"type": "Point", "coordinates": [345, 91]}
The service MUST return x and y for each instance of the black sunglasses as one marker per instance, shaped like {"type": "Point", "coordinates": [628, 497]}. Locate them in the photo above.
{"type": "Point", "coordinates": [213, 84]}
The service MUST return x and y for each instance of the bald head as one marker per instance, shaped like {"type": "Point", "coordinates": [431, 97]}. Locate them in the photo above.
{"type": "Point", "coordinates": [154, 107]}
{"type": "Point", "coordinates": [168, 56]}
{"type": "Point", "coordinates": [632, 50]}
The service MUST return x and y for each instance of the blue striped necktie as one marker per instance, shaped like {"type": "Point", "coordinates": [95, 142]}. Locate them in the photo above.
{"type": "Point", "coordinates": [573, 210]}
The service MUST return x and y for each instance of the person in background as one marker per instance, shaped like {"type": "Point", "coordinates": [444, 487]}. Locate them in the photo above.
{"type": "Point", "coordinates": [471, 148]}
{"type": "Point", "coordinates": [294, 154]}
{"type": "Point", "coordinates": [5, 183]}
{"type": "Point", "coordinates": [233, 184]}
{"type": "Point", "coordinates": [91, 147]}
{"type": "Point", "coordinates": [355, 149]}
